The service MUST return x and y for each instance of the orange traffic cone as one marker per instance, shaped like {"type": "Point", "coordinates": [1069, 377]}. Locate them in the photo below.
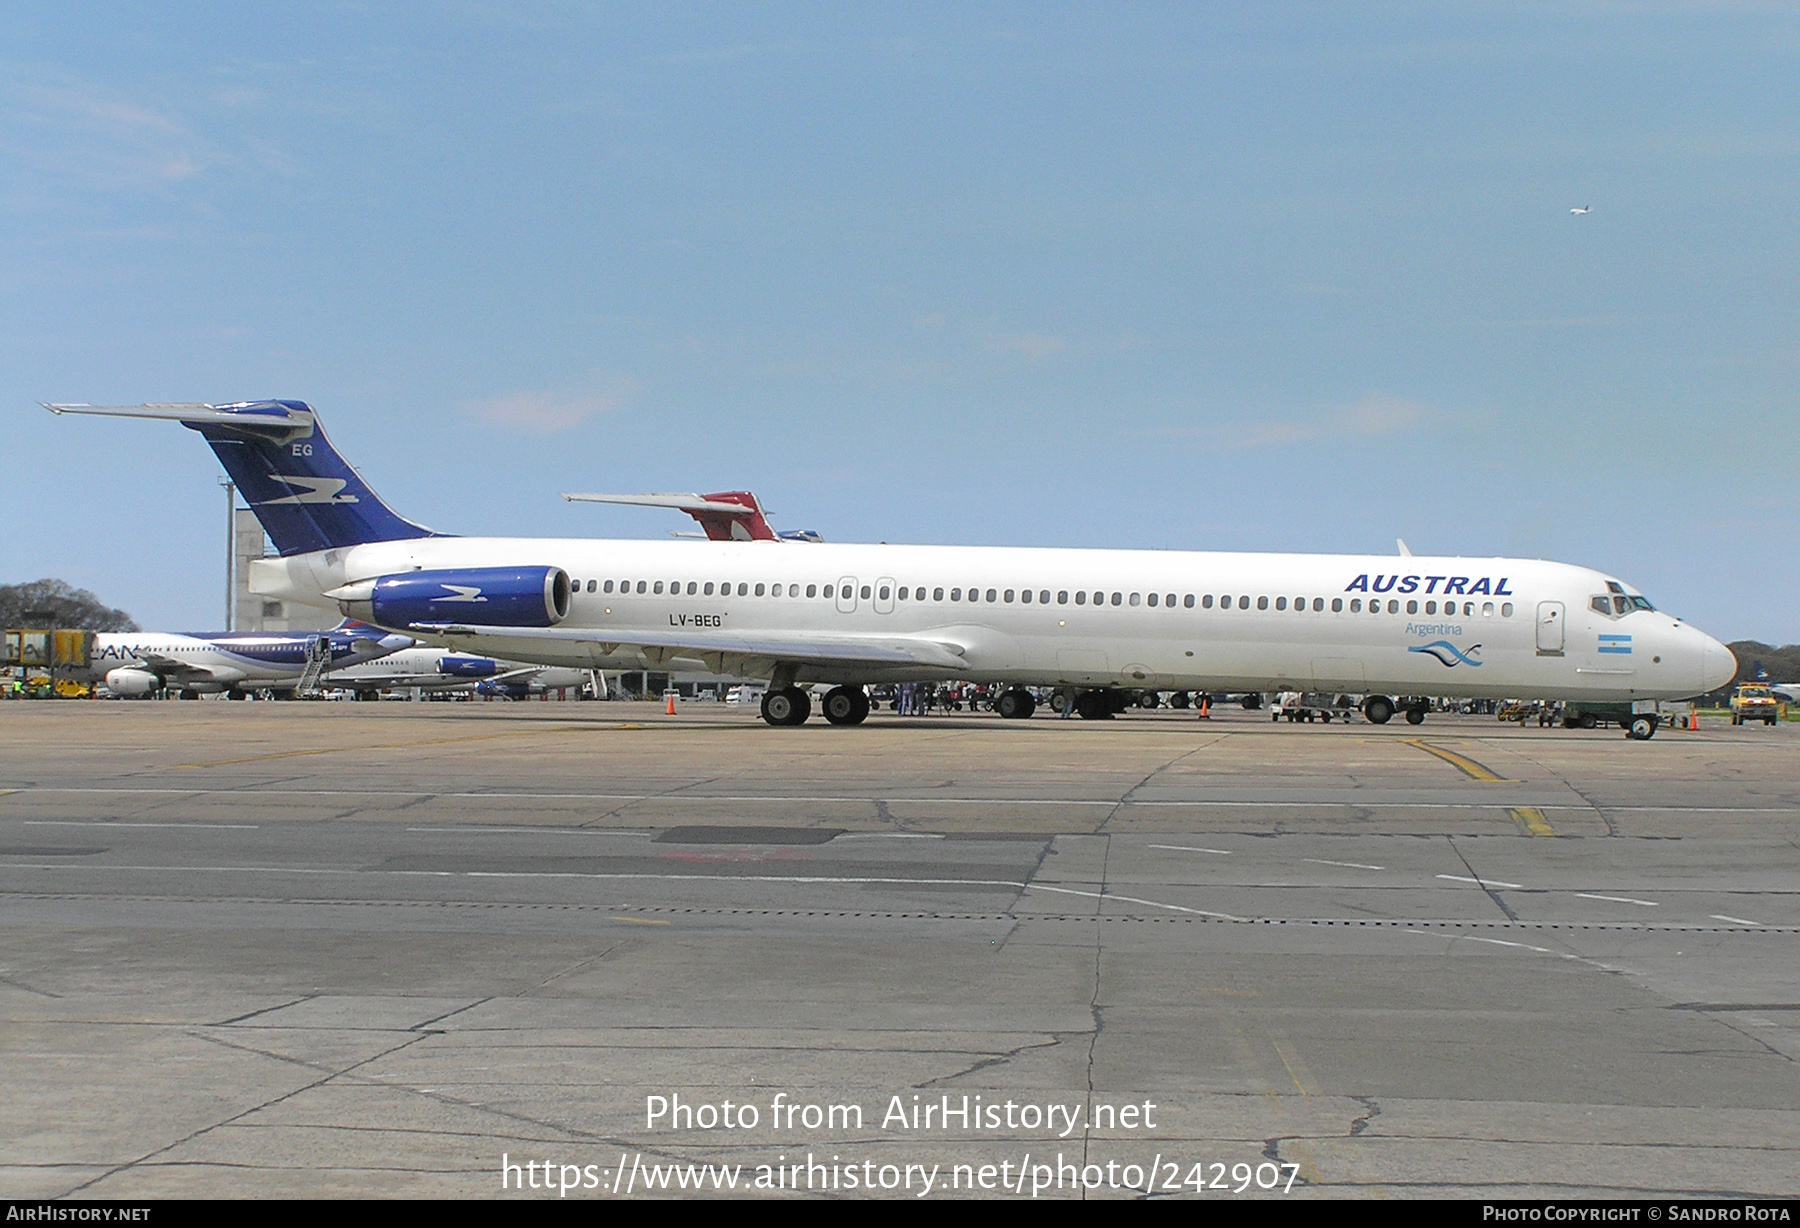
{"type": "Point", "coordinates": [671, 708]}
{"type": "Point", "coordinates": [1206, 707]}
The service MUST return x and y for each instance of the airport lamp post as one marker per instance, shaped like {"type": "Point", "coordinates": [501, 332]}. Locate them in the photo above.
{"type": "Point", "coordinates": [230, 552]}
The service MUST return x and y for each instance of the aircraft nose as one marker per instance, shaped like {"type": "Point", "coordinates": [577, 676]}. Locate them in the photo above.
{"type": "Point", "coordinates": [1717, 665]}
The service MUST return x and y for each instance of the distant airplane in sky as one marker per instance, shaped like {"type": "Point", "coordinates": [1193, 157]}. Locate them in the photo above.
{"type": "Point", "coordinates": [1582, 210]}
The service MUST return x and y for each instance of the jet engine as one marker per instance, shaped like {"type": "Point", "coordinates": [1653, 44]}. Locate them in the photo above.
{"type": "Point", "coordinates": [481, 596]}
{"type": "Point", "coordinates": [130, 683]}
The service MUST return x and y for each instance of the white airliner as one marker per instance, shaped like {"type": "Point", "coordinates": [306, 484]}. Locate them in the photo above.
{"type": "Point", "coordinates": [133, 664]}
{"type": "Point", "coordinates": [435, 669]}
{"type": "Point", "coordinates": [1393, 629]}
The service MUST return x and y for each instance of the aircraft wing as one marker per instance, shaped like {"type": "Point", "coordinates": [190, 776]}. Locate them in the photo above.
{"type": "Point", "coordinates": [171, 669]}
{"type": "Point", "coordinates": [881, 650]}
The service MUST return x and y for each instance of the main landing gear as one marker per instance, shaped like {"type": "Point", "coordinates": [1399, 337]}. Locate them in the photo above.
{"type": "Point", "coordinates": [788, 706]}
{"type": "Point", "coordinates": [844, 705]}
{"type": "Point", "coordinates": [1016, 704]}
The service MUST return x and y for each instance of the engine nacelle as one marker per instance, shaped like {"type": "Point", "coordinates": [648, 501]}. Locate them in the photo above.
{"type": "Point", "coordinates": [467, 667]}
{"type": "Point", "coordinates": [483, 596]}
{"type": "Point", "coordinates": [132, 683]}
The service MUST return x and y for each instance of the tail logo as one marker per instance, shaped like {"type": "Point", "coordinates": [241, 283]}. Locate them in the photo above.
{"type": "Point", "coordinates": [1447, 653]}
{"type": "Point", "coordinates": [311, 490]}
{"type": "Point", "coordinates": [462, 592]}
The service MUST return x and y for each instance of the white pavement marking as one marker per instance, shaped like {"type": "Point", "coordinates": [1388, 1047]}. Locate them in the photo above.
{"type": "Point", "coordinates": [1735, 920]}
{"type": "Point", "coordinates": [534, 831]}
{"type": "Point", "coordinates": [1616, 899]}
{"type": "Point", "coordinates": [1482, 882]}
{"type": "Point", "coordinates": [1349, 865]}
{"type": "Point", "coordinates": [119, 823]}
{"type": "Point", "coordinates": [1186, 848]}
{"type": "Point", "coordinates": [1525, 946]}
{"type": "Point", "coordinates": [1128, 899]}
{"type": "Point", "coordinates": [889, 835]}
{"type": "Point", "coordinates": [738, 799]}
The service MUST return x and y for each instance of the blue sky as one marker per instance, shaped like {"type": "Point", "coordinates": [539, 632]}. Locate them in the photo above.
{"type": "Point", "coordinates": [1237, 276]}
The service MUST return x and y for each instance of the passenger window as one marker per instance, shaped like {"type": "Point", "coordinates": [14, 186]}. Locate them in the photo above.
{"type": "Point", "coordinates": [1206, 602]}
{"type": "Point", "coordinates": [1008, 595]}
{"type": "Point", "coordinates": [1281, 603]}
{"type": "Point", "coordinates": [1355, 605]}
{"type": "Point", "coordinates": [1044, 596]}
{"type": "Point", "coordinates": [1099, 598]}
{"type": "Point", "coordinates": [793, 590]}
{"type": "Point", "coordinates": [883, 594]}
{"type": "Point", "coordinates": [693, 588]}
{"type": "Point", "coordinates": [1506, 610]}
{"type": "Point", "coordinates": [1319, 605]}
{"type": "Point", "coordinates": [759, 590]}
{"type": "Point", "coordinates": [937, 594]}
{"type": "Point", "coordinates": [592, 585]}
{"type": "Point", "coordinates": [1081, 597]}
{"type": "Point", "coordinates": [990, 594]}
{"type": "Point", "coordinates": [708, 590]}
{"type": "Point", "coordinates": [1393, 607]}
{"type": "Point", "coordinates": [658, 587]}
{"type": "Point", "coordinates": [865, 592]}
{"type": "Point", "coordinates": [1431, 607]}
{"type": "Point", "coordinates": [1487, 609]}
{"type": "Point", "coordinates": [744, 589]}
{"type": "Point", "coordinates": [1135, 599]}
{"type": "Point", "coordinates": [1412, 607]}
{"type": "Point", "coordinates": [1062, 597]}
{"type": "Point", "coordinates": [956, 594]}
{"type": "Point", "coordinates": [812, 590]}
{"type": "Point", "coordinates": [1300, 603]}
{"type": "Point", "coordinates": [1118, 598]}
{"type": "Point", "coordinates": [1169, 600]}
{"type": "Point", "coordinates": [1337, 605]}
{"type": "Point", "coordinates": [1262, 603]}
{"type": "Point", "coordinates": [607, 587]}
{"type": "Point", "coordinates": [901, 595]}
{"type": "Point", "coordinates": [1152, 599]}
{"type": "Point", "coordinates": [1025, 595]}
{"type": "Point", "coordinates": [826, 591]}
{"type": "Point", "coordinates": [642, 586]}
{"type": "Point", "coordinates": [1188, 601]}
{"type": "Point", "coordinates": [1468, 609]}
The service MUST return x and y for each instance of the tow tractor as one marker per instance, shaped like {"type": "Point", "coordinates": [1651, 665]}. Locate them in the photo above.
{"type": "Point", "coordinates": [1754, 702]}
{"type": "Point", "coordinates": [1638, 718]}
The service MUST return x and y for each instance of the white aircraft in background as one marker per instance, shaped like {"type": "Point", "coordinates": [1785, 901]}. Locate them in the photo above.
{"type": "Point", "coordinates": [1395, 630]}
{"type": "Point", "coordinates": [437, 669]}
{"type": "Point", "coordinates": [135, 664]}
{"type": "Point", "coordinates": [731, 515]}
{"type": "Point", "coordinates": [1583, 211]}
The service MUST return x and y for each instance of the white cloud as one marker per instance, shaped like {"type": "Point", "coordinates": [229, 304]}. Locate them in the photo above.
{"type": "Point", "coordinates": [546, 413]}
{"type": "Point", "coordinates": [1374, 413]}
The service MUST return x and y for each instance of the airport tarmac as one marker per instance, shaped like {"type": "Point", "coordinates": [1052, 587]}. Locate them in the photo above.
{"type": "Point", "coordinates": [372, 949]}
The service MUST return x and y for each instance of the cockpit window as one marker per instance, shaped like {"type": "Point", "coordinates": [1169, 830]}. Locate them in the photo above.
{"type": "Point", "coordinates": [1621, 604]}
{"type": "Point", "coordinates": [1642, 603]}
{"type": "Point", "coordinates": [1601, 605]}
{"type": "Point", "coordinates": [1613, 586]}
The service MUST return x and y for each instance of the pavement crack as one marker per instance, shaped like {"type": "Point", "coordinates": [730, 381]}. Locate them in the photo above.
{"type": "Point", "coordinates": [115, 1169]}
{"type": "Point", "coordinates": [1359, 1124]}
{"type": "Point", "coordinates": [997, 1059]}
{"type": "Point", "coordinates": [1489, 891]}
{"type": "Point", "coordinates": [263, 1011]}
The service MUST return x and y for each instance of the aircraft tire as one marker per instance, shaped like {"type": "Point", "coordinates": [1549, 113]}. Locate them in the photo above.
{"type": "Point", "coordinates": [1016, 704]}
{"type": "Point", "coordinates": [846, 705]}
{"type": "Point", "coordinates": [786, 707]}
{"type": "Point", "coordinates": [1641, 728]}
{"type": "Point", "coordinates": [1415, 716]}
{"type": "Point", "coordinates": [1093, 706]}
{"type": "Point", "coordinates": [1587, 720]}
{"type": "Point", "coordinates": [1379, 709]}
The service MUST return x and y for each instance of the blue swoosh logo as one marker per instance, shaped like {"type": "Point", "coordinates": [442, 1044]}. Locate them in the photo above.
{"type": "Point", "coordinates": [1438, 649]}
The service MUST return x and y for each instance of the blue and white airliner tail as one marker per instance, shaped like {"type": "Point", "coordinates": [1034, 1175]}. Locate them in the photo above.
{"type": "Point", "coordinates": [306, 495]}
{"type": "Point", "coordinates": [1098, 623]}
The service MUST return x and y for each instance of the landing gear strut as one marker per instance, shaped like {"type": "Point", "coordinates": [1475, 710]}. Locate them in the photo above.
{"type": "Point", "coordinates": [844, 705]}
{"type": "Point", "coordinates": [788, 706]}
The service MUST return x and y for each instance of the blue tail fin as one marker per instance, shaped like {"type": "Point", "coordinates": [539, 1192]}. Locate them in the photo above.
{"type": "Point", "coordinates": [306, 495]}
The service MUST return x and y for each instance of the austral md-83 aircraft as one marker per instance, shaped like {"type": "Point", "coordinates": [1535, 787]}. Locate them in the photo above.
{"type": "Point", "coordinates": [1102, 621]}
